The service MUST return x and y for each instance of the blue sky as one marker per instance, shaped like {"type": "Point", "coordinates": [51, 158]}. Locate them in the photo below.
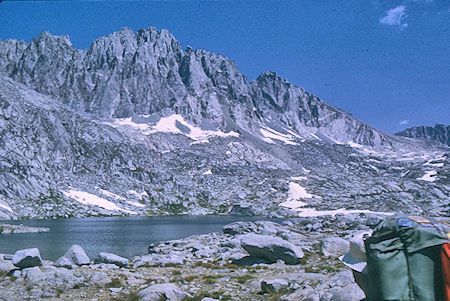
{"type": "Point", "coordinates": [385, 62]}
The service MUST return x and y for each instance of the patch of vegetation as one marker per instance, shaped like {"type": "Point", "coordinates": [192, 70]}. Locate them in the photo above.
{"type": "Point", "coordinates": [115, 282]}
{"type": "Point", "coordinates": [176, 272]}
{"type": "Point", "coordinates": [244, 278]}
{"type": "Point", "coordinates": [277, 296]}
{"type": "Point", "coordinates": [78, 285]}
{"type": "Point", "coordinates": [215, 295]}
{"type": "Point", "coordinates": [189, 278]}
{"type": "Point", "coordinates": [130, 297]}
{"type": "Point", "coordinates": [211, 279]}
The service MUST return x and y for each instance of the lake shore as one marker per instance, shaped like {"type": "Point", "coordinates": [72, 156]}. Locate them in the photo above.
{"type": "Point", "coordinates": [217, 265]}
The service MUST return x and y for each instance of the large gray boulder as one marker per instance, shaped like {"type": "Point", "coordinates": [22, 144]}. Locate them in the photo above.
{"type": "Point", "coordinates": [335, 246]}
{"type": "Point", "coordinates": [99, 278]}
{"type": "Point", "coordinates": [77, 255]}
{"type": "Point", "coordinates": [27, 258]}
{"type": "Point", "coordinates": [162, 291]}
{"type": "Point", "coordinates": [64, 262]}
{"type": "Point", "coordinates": [6, 267]}
{"type": "Point", "coordinates": [239, 228]}
{"type": "Point", "coordinates": [104, 257]}
{"type": "Point", "coordinates": [271, 248]}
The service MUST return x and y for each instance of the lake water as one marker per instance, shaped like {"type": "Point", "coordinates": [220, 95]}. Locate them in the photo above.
{"type": "Point", "coordinates": [124, 236]}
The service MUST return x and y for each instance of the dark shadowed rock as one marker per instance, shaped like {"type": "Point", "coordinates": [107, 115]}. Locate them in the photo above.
{"type": "Point", "coordinates": [27, 258]}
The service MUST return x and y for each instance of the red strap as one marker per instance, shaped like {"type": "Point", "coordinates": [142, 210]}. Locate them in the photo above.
{"type": "Point", "coordinates": [445, 257]}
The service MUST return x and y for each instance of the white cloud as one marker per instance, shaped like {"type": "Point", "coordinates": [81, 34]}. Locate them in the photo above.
{"type": "Point", "coordinates": [403, 122]}
{"type": "Point", "coordinates": [395, 16]}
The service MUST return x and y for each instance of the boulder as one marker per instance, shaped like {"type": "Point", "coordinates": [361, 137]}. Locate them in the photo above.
{"type": "Point", "coordinates": [351, 292]}
{"type": "Point", "coordinates": [27, 258]}
{"type": "Point", "coordinates": [239, 228]}
{"type": "Point", "coordinates": [99, 278]}
{"type": "Point", "coordinates": [104, 257]}
{"type": "Point", "coordinates": [163, 291]}
{"type": "Point", "coordinates": [77, 255]}
{"type": "Point", "coordinates": [271, 248]}
{"type": "Point", "coordinates": [273, 285]}
{"type": "Point", "coordinates": [335, 246]}
{"type": "Point", "coordinates": [242, 209]}
{"type": "Point", "coordinates": [6, 267]}
{"type": "Point", "coordinates": [64, 262]}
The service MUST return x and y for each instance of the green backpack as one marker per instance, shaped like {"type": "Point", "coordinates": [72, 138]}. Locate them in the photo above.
{"type": "Point", "coordinates": [403, 259]}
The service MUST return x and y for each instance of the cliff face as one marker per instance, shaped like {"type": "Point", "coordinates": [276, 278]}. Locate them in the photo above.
{"type": "Point", "coordinates": [439, 132]}
{"type": "Point", "coordinates": [136, 125]}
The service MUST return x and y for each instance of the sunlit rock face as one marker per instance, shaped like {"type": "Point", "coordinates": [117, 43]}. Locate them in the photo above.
{"type": "Point", "coordinates": [137, 125]}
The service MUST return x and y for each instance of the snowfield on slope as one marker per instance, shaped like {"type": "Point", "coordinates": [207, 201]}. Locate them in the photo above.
{"type": "Point", "coordinates": [91, 199]}
{"type": "Point", "coordinates": [174, 124]}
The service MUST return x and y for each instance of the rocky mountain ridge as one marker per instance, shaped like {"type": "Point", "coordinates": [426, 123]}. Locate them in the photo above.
{"type": "Point", "coordinates": [136, 125]}
{"type": "Point", "coordinates": [439, 133]}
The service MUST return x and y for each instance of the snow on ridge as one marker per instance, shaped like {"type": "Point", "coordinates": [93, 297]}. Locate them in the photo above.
{"type": "Point", "coordinates": [430, 176]}
{"type": "Point", "coordinates": [354, 145]}
{"type": "Point", "coordinates": [169, 125]}
{"type": "Point", "coordinates": [299, 178]}
{"type": "Point", "coordinates": [94, 200]}
{"type": "Point", "coordinates": [270, 134]}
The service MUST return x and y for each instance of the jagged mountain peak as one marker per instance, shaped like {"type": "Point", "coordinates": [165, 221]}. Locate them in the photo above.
{"type": "Point", "coordinates": [45, 37]}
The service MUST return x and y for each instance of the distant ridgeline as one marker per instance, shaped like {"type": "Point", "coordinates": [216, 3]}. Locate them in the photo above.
{"type": "Point", "coordinates": [439, 132]}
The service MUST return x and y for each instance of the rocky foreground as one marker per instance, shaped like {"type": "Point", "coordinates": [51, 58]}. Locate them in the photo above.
{"type": "Point", "coordinates": [294, 260]}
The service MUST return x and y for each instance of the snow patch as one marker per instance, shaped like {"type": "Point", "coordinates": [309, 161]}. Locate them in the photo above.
{"type": "Point", "coordinates": [136, 204]}
{"type": "Point", "coordinates": [5, 206]}
{"type": "Point", "coordinates": [137, 194]}
{"type": "Point", "coordinates": [315, 136]}
{"type": "Point", "coordinates": [297, 192]}
{"type": "Point", "coordinates": [91, 199]}
{"type": "Point", "coordinates": [111, 195]}
{"type": "Point", "coordinates": [430, 176]}
{"type": "Point", "coordinates": [312, 212]}
{"type": "Point", "coordinates": [169, 125]}
{"type": "Point", "coordinates": [355, 145]}
{"type": "Point", "coordinates": [298, 178]}
{"type": "Point", "coordinates": [292, 204]}
{"type": "Point", "coordinates": [270, 134]}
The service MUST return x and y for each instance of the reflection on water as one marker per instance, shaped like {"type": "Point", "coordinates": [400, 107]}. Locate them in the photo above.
{"type": "Point", "coordinates": [125, 236]}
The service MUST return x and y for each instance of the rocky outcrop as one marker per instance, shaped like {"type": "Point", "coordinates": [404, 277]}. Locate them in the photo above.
{"type": "Point", "coordinates": [104, 257]}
